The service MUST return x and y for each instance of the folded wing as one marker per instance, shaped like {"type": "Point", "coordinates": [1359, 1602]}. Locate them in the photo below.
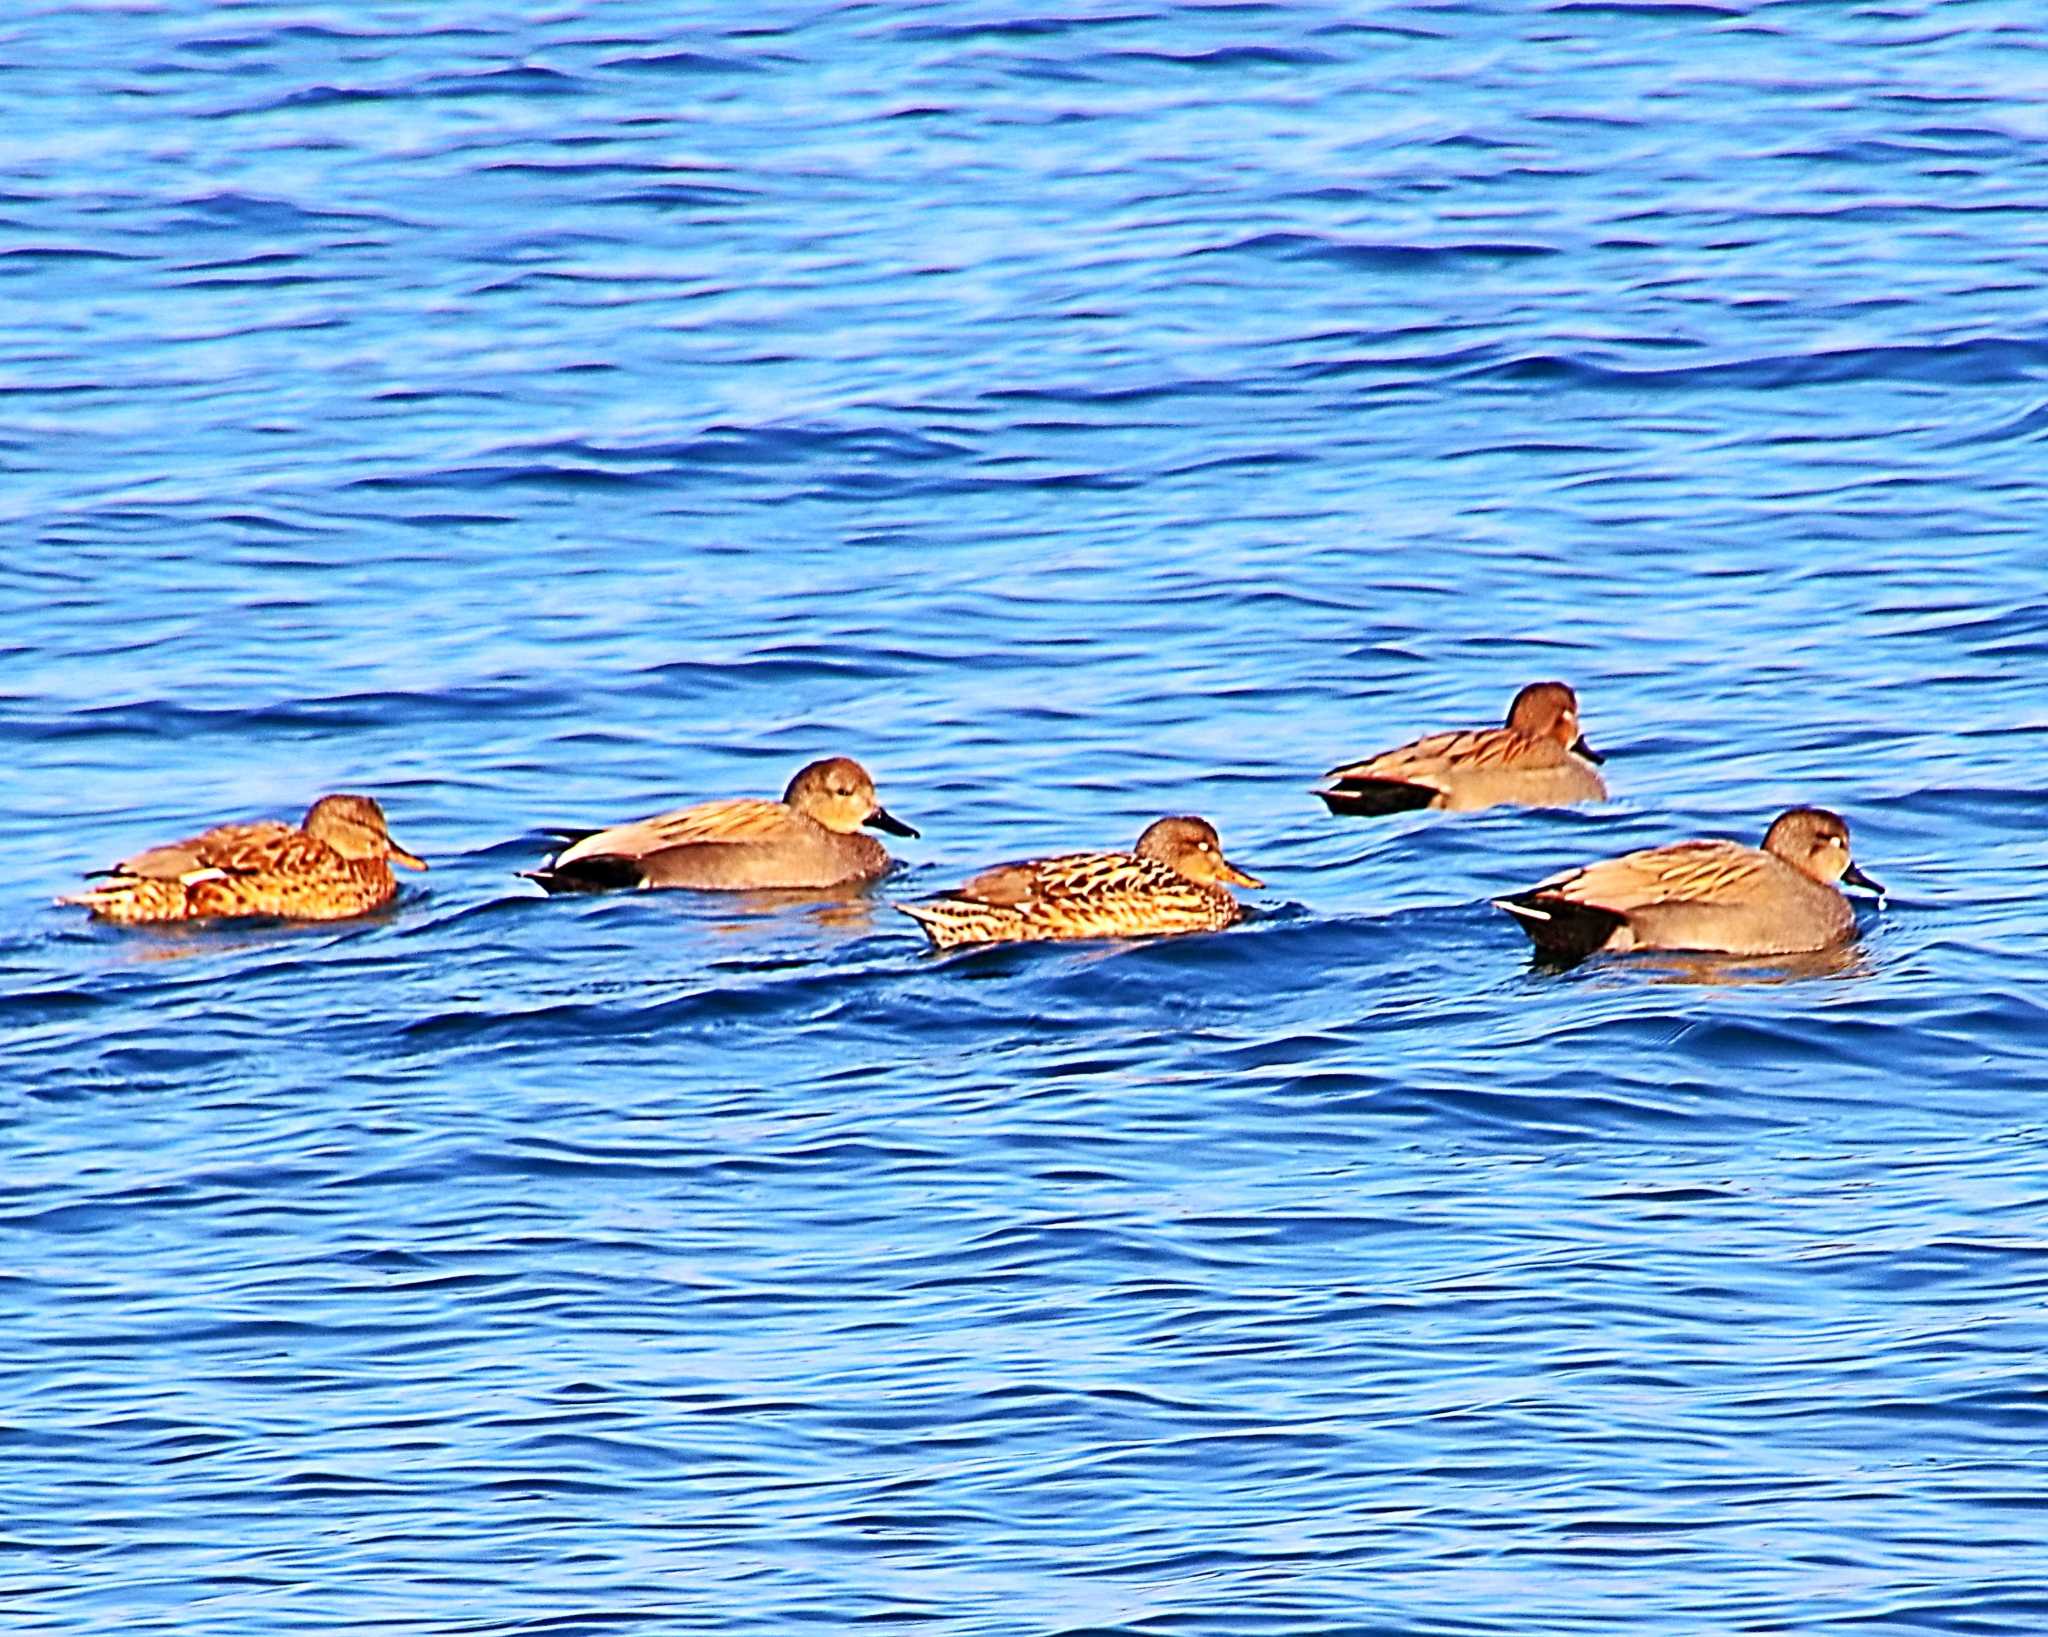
{"type": "Point", "coordinates": [229, 849]}
{"type": "Point", "coordinates": [740, 819]}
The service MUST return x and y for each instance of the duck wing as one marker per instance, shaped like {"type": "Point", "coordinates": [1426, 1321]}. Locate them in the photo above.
{"type": "Point", "coordinates": [738, 819]}
{"type": "Point", "coordinates": [1470, 751]}
{"type": "Point", "coordinates": [227, 849]}
{"type": "Point", "coordinates": [1685, 872]}
{"type": "Point", "coordinates": [1413, 776]}
{"type": "Point", "coordinates": [1068, 878]}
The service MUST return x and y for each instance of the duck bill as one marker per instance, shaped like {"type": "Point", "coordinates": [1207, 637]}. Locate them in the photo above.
{"type": "Point", "coordinates": [1856, 878]}
{"type": "Point", "coordinates": [1227, 871]}
{"type": "Point", "coordinates": [1581, 748]}
{"type": "Point", "coordinates": [882, 819]}
{"type": "Point", "coordinates": [400, 856]}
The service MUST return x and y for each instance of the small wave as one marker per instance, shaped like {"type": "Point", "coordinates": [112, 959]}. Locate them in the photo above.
{"type": "Point", "coordinates": [2030, 426]}
{"type": "Point", "coordinates": [27, 1007]}
{"type": "Point", "coordinates": [1019, 28]}
{"type": "Point", "coordinates": [263, 212]}
{"type": "Point", "coordinates": [576, 463]}
{"type": "Point", "coordinates": [528, 81]}
{"type": "Point", "coordinates": [676, 195]}
{"type": "Point", "coordinates": [1658, 10]}
{"type": "Point", "coordinates": [1234, 56]}
{"type": "Point", "coordinates": [28, 257]}
{"type": "Point", "coordinates": [1983, 361]}
{"type": "Point", "coordinates": [157, 718]}
{"type": "Point", "coordinates": [1387, 256]}
{"type": "Point", "coordinates": [693, 63]}
{"type": "Point", "coordinates": [281, 34]}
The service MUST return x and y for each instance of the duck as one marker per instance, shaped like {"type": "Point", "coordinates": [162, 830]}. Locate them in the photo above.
{"type": "Point", "coordinates": [1713, 897]}
{"type": "Point", "coordinates": [1538, 759]}
{"type": "Point", "coordinates": [333, 864]}
{"type": "Point", "coordinates": [1172, 881]}
{"type": "Point", "coordinates": [810, 839]}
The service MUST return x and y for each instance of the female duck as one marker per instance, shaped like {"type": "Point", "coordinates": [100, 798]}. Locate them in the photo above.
{"type": "Point", "coordinates": [334, 864]}
{"type": "Point", "coordinates": [1171, 882]}
{"type": "Point", "coordinates": [1711, 896]}
{"type": "Point", "coordinates": [1539, 759]}
{"type": "Point", "coordinates": [809, 839]}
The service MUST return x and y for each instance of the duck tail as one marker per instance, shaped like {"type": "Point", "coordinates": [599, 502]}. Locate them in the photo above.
{"type": "Point", "coordinates": [936, 918]}
{"type": "Point", "coordinates": [594, 872]}
{"type": "Point", "coordinates": [130, 898]}
{"type": "Point", "coordinates": [1561, 930]}
{"type": "Point", "coordinates": [1375, 798]}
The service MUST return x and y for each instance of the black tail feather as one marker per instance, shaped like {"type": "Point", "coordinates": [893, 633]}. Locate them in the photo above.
{"type": "Point", "coordinates": [1562, 931]}
{"type": "Point", "coordinates": [596, 872]}
{"type": "Point", "coordinates": [1373, 798]}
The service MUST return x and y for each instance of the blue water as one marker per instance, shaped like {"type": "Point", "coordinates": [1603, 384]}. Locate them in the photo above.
{"type": "Point", "coordinates": [1078, 414]}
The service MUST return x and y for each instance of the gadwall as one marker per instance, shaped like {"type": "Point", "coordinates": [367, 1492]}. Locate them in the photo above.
{"type": "Point", "coordinates": [1540, 759]}
{"type": "Point", "coordinates": [806, 840]}
{"type": "Point", "coordinates": [334, 864]}
{"type": "Point", "coordinates": [1712, 896]}
{"type": "Point", "coordinates": [1169, 883]}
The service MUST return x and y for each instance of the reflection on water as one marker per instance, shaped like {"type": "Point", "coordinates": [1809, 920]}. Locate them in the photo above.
{"type": "Point", "coordinates": [848, 909]}
{"type": "Point", "coordinates": [1732, 971]}
{"type": "Point", "coordinates": [147, 941]}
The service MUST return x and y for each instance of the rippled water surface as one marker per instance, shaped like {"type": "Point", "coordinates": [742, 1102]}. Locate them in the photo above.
{"type": "Point", "coordinates": [1079, 415]}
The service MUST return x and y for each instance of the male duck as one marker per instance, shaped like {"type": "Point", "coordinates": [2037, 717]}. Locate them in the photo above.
{"type": "Point", "coordinates": [807, 840]}
{"type": "Point", "coordinates": [1539, 759]}
{"type": "Point", "coordinates": [1712, 896]}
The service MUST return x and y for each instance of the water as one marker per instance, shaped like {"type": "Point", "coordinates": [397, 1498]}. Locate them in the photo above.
{"type": "Point", "coordinates": [1078, 415]}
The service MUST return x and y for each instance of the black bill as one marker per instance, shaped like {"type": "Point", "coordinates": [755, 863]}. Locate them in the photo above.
{"type": "Point", "coordinates": [1856, 878]}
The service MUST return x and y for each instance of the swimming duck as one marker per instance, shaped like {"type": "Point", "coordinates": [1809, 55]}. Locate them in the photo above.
{"type": "Point", "coordinates": [808, 839]}
{"type": "Point", "coordinates": [1712, 896]}
{"type": "Point", "coordinates": [334, 864]}
{"type": "Point", "coordinates": [1170, 882]}
{"type": "Point", "coordinates": [1539, 759]}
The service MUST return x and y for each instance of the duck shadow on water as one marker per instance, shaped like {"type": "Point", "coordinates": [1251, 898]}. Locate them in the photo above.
{"type": "Point", "coordinates": [147, 942]}
{"type": "Point", "coordinates": [728, 914]}
{"type": "Point", "coordinates": [1707, 970]}
{"type": "Point", "coordinates": [740, 913]}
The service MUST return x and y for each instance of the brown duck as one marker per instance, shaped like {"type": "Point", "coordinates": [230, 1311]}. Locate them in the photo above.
{"type": "Point", "coordinates": [334, 864]}
{"type": "Point", "coordinates": [1710, 896]}
{"type": "Point", "coordinates": [1539, 759]}
{"type": "Point", "coordinates": [1171, 882]}
{"type": "Point", "coordinates": [809, 839]}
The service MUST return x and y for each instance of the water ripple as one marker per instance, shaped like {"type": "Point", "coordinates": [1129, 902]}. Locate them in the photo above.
{"type": "Point", "coordinates": [1079, 416]}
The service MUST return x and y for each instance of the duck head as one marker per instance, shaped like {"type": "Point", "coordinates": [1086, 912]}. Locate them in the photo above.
{"type": "Point", "coordinates": [1815, 842]}
{"type": "Point", "coordinates": [1550, 710]}
{"type": "Point", "coordinates": [1192, 847]}
{"type": "Point", "coordinates": [838, 793]}
{"type": "Point", "coordinates": [354, 826]}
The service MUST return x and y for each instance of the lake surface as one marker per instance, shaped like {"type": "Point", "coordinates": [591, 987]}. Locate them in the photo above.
{"type": "Point", "coordinates": [1077, 414]}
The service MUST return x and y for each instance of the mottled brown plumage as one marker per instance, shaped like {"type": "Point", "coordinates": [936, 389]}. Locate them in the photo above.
{"type": "Point", "coordinates": [1170, 883]}
{"type": "Point", "coordinates": [335, 864]}
{"type": "Point", "coordinates": [807, 840]}
{"type": "Point", "coordinates": [1715, 896]}
{"type": "Point", "coordinates": [1539, 759]}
